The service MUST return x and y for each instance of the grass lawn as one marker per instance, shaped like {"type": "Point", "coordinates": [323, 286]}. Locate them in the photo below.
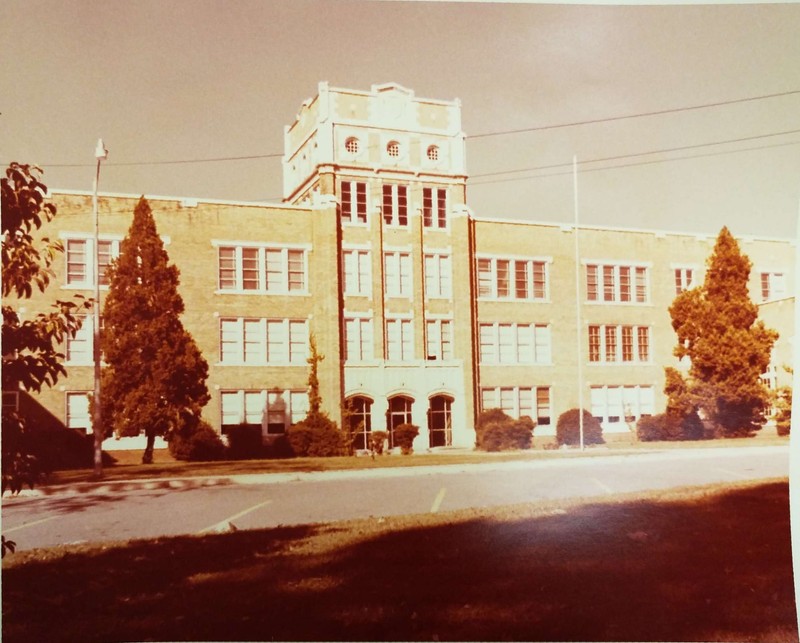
{"type": "Point", "coordinates": [711, 564]}
{"type": "Point", "coordinates": [128, 467]}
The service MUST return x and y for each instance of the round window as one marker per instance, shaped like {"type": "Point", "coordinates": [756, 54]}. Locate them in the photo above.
{"type": "Point", "coordinates": [393, 149]}
{"type": "Point", "coordinates": [433, 153]}
{"type": "Point", "coordinates": [351, 145]}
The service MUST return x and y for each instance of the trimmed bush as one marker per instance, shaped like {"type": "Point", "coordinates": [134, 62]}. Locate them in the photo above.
{"type": "Point", "coordinates": [485, 418]}
{"type": "Point", "coordinates": [377, 440]}
{"type": "Point", "coordinates": [317, 437]}
{"type": "Point", "coordinates": [508, 435]}
{"type": "Point", "coordinates": [404, 437]}
{"type": "Point", "coordinates": [568, 428]}
{"type": "Point", "coordinates": [244, 441]}
{"type": "Point", "coordinates": [198, 444]}
{"type": "Point", "coordinates": [670, 427]}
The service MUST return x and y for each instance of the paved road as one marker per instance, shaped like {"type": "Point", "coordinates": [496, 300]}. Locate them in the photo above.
{"type": "Point", "coordinates": [138, 510]}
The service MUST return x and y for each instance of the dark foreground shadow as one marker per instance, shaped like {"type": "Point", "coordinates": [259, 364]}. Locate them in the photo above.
{"type": "Point", "coordinates": [709, 568]}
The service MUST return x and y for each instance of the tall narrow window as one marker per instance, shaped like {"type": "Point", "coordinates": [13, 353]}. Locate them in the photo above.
{"type": "Point", "coordinates": [521, 279]}
{"type": "Point", "coordinates": [641, 285]}
{"type": "Point", "coordinates": [397, 274]}
{"type": "Point", "coordinates": [297, 272]}
{"type": "Point", "coordinates": [254, 341]}
{"type": "Point", "coordinates": [227, 268]}
{"type": "Point", "coordinates": [624, 283]}
{"type": "Point", "coordinates": [78, 412]}
{"type": "Point", "coordinates": [395, 205]}
{"type": "Point", "coordinates": [439, 339]}
{"type": "Point", "coordinates": [611, 343]}
{"type": "Point", "coordinates": [358, 340]}
{"type": "Point", "coordinates": [434, 207]}
{"type": "Point", "coordinates": [643, 343]}
{"type": "Point", "coordinates": [105, 254]}
{"type": "Point", "coordinates": [609, 285]}
{"type": "Point", "coordinates": [684, 279]}
{"type": "Point", "coordinates": [485, 278]}
{"type": "Point", "coordinates": [399, 340]}
{"type": "Point", "coordinates": [591, 283]}
{"type": "Point", "coordinates": [357, 272]}
{"type": "Point", "coordinates": [438, 278]}
{"type": "Point", "coordinates": [250, 269]}
{"type": "Point", "coordinates": [594, 343]}
{"type": "Point", "coordinates": [354, 202]}
{"type": "Point", "coordinates": [503, 277]}
{"type": "Point", "coordinates": [627, 344]}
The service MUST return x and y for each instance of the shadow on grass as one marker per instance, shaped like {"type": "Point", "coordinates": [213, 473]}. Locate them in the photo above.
{"type": "Point", "coordinates": [713, 567]}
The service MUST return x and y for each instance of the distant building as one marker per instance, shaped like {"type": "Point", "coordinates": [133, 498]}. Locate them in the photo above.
{"type": "Point", "coordinates": [425, 313]}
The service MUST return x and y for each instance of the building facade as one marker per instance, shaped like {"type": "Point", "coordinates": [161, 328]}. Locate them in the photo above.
{"type": "Point", "coordinates": [424, 312]}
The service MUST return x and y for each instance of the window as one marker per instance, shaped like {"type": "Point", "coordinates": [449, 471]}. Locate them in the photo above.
{"type": "Point", "coordinates": [397, 274]}
{"type": "Point", "coordinates": [272, 410]}
{"type": "Point", "coordinates": [358, 339]}
{"type": "Point", "coordinates": [434, 207]}
{"type": "Point", "coordinates": [433, 153]}
{"type": "Point", "coordinates": [438, 276]}
{"type": "Point", "coordinates": [357, 272]}
{"type": "Point", "coordinates": [262, 270]}
{"type": "Point", "coordinates": [351, 145]}
{"type": "Point", "coordinates": [81, 261]}
{"type": "Point", "coordinates": [354, 202]}
{"type": "Point", "coordinates": [78, 412]}
{"type": "Point", "coordinates": [610, 343]}
{"type": "Point", "coordinates": [359, 417]}
{"type": "Point", "coordinates": [616, 404]}
{"type": "Point", "coordinates": [617, 283]}
{"type": "Point", "coordinates": [399, 340]}
{"type": "Point", "coordinates": [440, 421]}
{"type": "Point", "coordinates": [515, 344]}
{"type": "Point", "coordinates": [393, 149]}
{"type": "Point", "coordinates": [773, 285]}
{"type": "Point", "coordinates": [399, 412]}
{"type": "Point", "coordinates": [395, 205]}
{"type": "Point", "coordinates": [79, 350]}
{"type": "Point", "coordinates": [684, 279]}
{"type": "Point", "coordinates": [10, 401]}
{"type": "Point", "coordinates": [439, 339]}
{"type": "Point", "coordinates": [519, 401]}
{"type": "Point", "coordinates": [524, 279]}
{"type": "Point", "coordinates": [260, 341]}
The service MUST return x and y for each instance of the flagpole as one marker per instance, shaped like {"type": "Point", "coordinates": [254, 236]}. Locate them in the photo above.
{"type": "Point", "coordinates": [579, 329]}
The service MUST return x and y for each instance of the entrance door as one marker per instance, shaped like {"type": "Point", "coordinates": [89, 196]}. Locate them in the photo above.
{"type": "Point", "coordinates": [440, 426]}
{"type": "Point", "coordinates": [399, 413]}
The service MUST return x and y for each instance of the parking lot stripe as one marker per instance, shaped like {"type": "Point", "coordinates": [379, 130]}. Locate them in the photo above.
{"type": "Point", "coordinates": [28, 524]}
{"type": "Point", "coordinates": [603, 486]}
{"type": "Point", "coordinates": [438, 501]}
{"type": "Point", "coordinates": [222, 524]}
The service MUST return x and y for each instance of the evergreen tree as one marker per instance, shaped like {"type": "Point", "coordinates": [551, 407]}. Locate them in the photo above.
{"type": "Point", "coordinates": [155, 376]}
{"type": "Point", "coordinates": [729, 348]}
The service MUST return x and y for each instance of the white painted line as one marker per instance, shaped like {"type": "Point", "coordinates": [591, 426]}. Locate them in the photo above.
{"type": "Point", "coordinates": [604, 487]}
{"type": "Point", "coordinates": [438, 501]}
{"type": "Point", "coordinates": [224, 524]}
{"type": "Point", "coordinates": [28, 524]}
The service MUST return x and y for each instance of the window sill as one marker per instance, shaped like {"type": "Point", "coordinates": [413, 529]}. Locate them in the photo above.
{"type": "Point", "coordinates": [263, 293]}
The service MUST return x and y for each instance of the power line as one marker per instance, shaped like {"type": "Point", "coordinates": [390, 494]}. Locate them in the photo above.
{"type": "Point", "coordinates": [624, 156]}
{"type": "Point", "coordinates": [211, 160]}
{"type": "Point", "coordinates": [625, 165]}
{"type": "Point", "coordinates": [639, 115]}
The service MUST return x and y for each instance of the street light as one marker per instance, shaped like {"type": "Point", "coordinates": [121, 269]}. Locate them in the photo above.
{"type": "Point", "coordinates": [101, 154]}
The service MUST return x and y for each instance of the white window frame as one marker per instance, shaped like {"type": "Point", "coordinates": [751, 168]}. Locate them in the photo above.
{"type": "Point", "coordinates": [522, 400]}
{"type": "Point", "coordinates": [501, 343]}
{"type": "Point", "coordinates": [439, 339]}
{"type": "Point", "coordinates": [84, 337]}
{"type": "Point", "coordinates": [251, 406]}
{"type": "Point", "coordinates": [491, 277]}
{"type": "Point", "coordinates": [357, 268]}
{"type": "Point", "coordinates": [69, 411]}
{"type": "Point", "coordinates": [615, 332]}
{"type": "Point", "coordinates": [772, 285]}
{"type": "Point", "coordinates": [262, 253]}
{"type": "Point", "coordinates": [435, 214]}
{"type": "Point", "coordinates": [398, 274]}
{"type": "Point", "coordinates": [613, 279]}
{"type": "Point", "coordinates": [614, 405]}
{"type": "Point", "coordinates": [685, 277]}
{"type": "Point", "coordinates": [289, 351]}
{"type": "Point", "coordinates": [398, 195]}
{"type": "Point", "coordinates": [88, 263]}
{"type": "Point", "coordinates": [438, 268]}
{"type": "Point", "coordinates": [359, 338]}
{"type": "Point", "coordinates": [399, 339]}
{"type": "Point", "coordinates": [351, 215]}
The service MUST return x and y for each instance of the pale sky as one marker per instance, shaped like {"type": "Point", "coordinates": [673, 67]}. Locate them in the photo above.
{"type": "Point", "coordinates": [189, 80]}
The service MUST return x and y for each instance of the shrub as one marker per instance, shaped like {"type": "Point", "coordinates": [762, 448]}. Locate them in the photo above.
{"type": "Point", "coordinates": [316, 436]}
{"type": "Point", "coordinates": [200, 443]}
{"type": "Point", "coordinates": [244, 441]}
{"type": "Point", "coordinates": [377, 440]}
{"type": "Point", "coordinates": [508, 434]}
{"type": "Point", "coordinates": [485, 418]}
{"type": "Point", "coordinates": [404, 437]}
{"type": "Point", "coordinates": [568, 428]}
{"type": "Point", "coordinates": [670, 426]}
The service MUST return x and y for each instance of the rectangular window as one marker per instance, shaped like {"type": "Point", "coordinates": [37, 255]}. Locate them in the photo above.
{"type": "Point", "coordinates": [298, 403]}
{"type": "Point", "coordinates": [271, 410]}
{"type": "Point", "coordinates": [438, 276]}
{"type": "Point", "coordinates": [616, 404]}
{"type": "Point", "coordinates": [278, 412]}
{"type": "Point", "coordinates": [605, 342]}
{"type": "Point", "coordinates": [259, 341]}
{"type": "Point", "coordinates": [357, 272]}
{"type": "Point", "coordinates": [254, 407]}
{"type": "Point", "coordinates": [617, 283]}
{"type": "Point", "coordinates": [78, 412]}
{"type": "Point", "coordinates": [515, 344]}
{"type": "Point", "coordinates": [399, 340]}
{"type": "Point", "coordinates": [358, 340]}
{"type": "Point", "coordinates": [439, 339]}
{"type": "Point", "coordinates": [773, 285]}
{"type": "Point", "coordinates": [262, 270]}
{"type": "Point", "coordinates": [397, 274]}
{"type": "Point", "coordinates": [518, 401]}
{"type": "Point", "coordinates": [434, 207]}
{"type": "Point", "coordinates": [354, 202]}
{"type": "Point", "coordinates": [523, 279]}
{"type": "Point", "coordinates": [81, 261]}
{"type": "Point", "coordinates": [80, 348]}
{"type": "Point", "coordinates": [10, 401]}
{"type": "Point", "coordinates": [395, 205]}
{"type": "Point", "coordinates": [684, 280]}
{"type": "Point", "coordinates": [232, 410]}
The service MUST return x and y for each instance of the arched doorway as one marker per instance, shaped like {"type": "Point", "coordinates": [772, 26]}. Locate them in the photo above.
{"type": "Point", "coordinates": [359, 417]}
{"type": "Point", "coordinates": [440, 421]}
{"type": "Point", "coordinates": [399, 412]}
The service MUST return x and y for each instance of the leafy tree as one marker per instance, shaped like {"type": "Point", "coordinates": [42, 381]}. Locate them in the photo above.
{"type": "Point", "coordinates": [729, 349]}
{"type": "Point", "coordinates": [155, 376]}
{"type": "Point", "coordinates": [31, 358]}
